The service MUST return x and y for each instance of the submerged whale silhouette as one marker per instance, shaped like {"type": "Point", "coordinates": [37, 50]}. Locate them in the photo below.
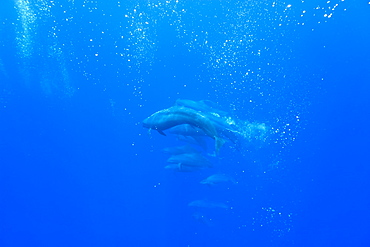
{"type": "Point", "coordinates": [177, 115]}
{"type": "Point", "coordinates": [190, 159]}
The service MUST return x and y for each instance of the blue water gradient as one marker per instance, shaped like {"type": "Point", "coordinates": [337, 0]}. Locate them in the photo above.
{"type": "Point", "coordinates": [78, 77]}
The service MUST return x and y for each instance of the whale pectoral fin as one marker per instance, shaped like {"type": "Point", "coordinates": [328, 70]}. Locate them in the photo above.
{"type": "Point", "coordinates": [219, 142]}
{"type": "Point", "coordinates": [161, 132]}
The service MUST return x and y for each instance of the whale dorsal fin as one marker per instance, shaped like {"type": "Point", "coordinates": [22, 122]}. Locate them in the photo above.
{"type": "Point", "coordinates": [161, 132]}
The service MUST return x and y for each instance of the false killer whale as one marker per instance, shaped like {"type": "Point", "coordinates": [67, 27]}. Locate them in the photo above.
{"type": "Point", "coordinates": [177, 115]}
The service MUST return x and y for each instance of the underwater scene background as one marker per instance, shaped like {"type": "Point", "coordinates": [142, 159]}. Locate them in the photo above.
{"type": "Point", "coordinates": [279, 90]}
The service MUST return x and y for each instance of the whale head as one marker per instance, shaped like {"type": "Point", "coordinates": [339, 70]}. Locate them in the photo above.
{"type": "Point", "coordinates": [148, 123]}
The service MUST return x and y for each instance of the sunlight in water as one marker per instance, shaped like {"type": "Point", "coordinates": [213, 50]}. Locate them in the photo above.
{"type": "Point", "coordinates": [27, 18]}
{"type": "Point", "coordinates": [39, 49]}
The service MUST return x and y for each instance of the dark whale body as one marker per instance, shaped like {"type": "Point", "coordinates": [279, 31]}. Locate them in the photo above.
{"type": "Point", "coordinates": [177, 115]}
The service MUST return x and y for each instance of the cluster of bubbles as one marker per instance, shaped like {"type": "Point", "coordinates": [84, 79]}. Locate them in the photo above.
{"type": "Point", "coordinates": [319, 13]}
{"type": "Point", "coordinates": [244, 45]}
{"type": "Point", "coordinates": [43, 58]}
{"type": "Point", "coordinates": [269, 217]}
{"type": "Point", "coordinates": [236, 39]}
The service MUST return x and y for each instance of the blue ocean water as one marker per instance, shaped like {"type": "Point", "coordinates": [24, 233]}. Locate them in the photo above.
{"type": "Point", "coordinates": [78, 77]}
